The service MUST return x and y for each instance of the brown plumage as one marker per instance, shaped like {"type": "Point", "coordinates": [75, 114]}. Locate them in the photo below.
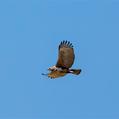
{"type": "Point", "coordinates": [65, 61]}
{"type": "Point", "coordinates": [66, 55]}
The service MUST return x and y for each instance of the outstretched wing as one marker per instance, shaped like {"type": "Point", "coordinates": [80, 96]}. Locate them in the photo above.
{"type": "Point", "coordinates": [66, 55]}
{"type": "Point", "coordinates": [55, 74]}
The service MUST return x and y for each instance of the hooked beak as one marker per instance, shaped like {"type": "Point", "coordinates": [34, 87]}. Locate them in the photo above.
{"type": "Point", "coordinates": [50, 69]}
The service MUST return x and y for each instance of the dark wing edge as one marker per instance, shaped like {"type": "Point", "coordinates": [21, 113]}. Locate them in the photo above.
{"type": "Point", "coordinates": [65, 43]}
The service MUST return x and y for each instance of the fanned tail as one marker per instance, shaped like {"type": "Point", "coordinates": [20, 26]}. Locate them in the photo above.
{"type": "Point", "coordinates": [75, 71]}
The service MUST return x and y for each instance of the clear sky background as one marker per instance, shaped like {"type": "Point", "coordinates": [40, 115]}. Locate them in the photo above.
{"type": "Point", "coordinates": [30, 32]}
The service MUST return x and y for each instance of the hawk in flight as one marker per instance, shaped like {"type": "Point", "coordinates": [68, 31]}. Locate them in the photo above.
{"type": "Point", "coordinates": [65, 61]}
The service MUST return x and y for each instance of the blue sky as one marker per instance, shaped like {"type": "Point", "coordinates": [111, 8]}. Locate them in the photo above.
{"type": "Point", "coordinates": [30, 32]}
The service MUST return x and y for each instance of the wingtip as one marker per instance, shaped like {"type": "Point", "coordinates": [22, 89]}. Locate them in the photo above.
{"type": "Point", "coordinates": [63, 42]}
{"type": "Point", "coordinates": [43, 74]}
{"type": "Point", "coordinates": [66, 42]}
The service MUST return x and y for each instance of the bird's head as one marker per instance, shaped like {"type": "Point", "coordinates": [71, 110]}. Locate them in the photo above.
{"type": "Point", "coordinates": [53, 68]}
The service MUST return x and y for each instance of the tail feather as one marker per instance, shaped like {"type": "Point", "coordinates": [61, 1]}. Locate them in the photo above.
{"type": "Point", "coordinates": [75, 71]}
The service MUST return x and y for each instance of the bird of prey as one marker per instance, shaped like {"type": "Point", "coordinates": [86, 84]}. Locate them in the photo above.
{"type": "Point", "coordinates": [65, 60]}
